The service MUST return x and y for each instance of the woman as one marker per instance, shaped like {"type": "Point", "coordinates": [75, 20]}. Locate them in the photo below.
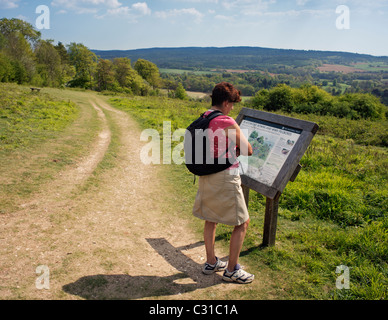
{"type": "Point", "coordinates": [220, 198]}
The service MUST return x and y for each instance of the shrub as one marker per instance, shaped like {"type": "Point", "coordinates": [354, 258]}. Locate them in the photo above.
{"type": "Point", "coordinates": [310, 99]}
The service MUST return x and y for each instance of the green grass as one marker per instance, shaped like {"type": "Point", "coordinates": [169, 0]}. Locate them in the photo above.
{"type": "Point", "coordinates": [372, 66]}
{"type": "Point", "coordinates": [361, 132]}
{"type": "Point", "coordinates": [43, 133]}
{"type": "Point", "coordinates": [334, 214]}
{"type": "Point", "coordinates": [27, 117]}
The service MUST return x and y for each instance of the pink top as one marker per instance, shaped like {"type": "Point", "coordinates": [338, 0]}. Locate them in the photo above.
{"type": "Point", "coordinates": [220, 140]}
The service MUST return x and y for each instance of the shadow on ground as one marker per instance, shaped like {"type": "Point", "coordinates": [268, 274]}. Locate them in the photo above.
{"type": "Point", "coordinates": [123, 287]}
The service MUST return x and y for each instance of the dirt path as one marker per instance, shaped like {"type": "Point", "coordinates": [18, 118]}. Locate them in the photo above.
{"type": "Point", "coordinates": [119, 239]}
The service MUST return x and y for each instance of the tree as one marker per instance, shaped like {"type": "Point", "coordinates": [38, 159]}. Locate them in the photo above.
{"type": "Point", "coordinates": [169, 84]}
{"type": "Point", "coordinates": [17, 38]}
{"type": "Point", "coordinates": [7, 72]}
{"type": "Point", "coordinates": [180, 92]}
{"type": "Point", "coordinates": [128, 78]}
{"type": "Point", "coordinates": [85, 63]}
{"type": "Point", "coordinates": [62, 51]}
{"type": "Point", "coordinates": [123, 69]}
{"type": "Point", "coordinates": [260, 100]}
{"type": "Point", "coordinates": [149, 72]}
{"type": "Point", "coordinates": [67, 70]}
{"type": "Point", "coordinates": [105, 75]}
{"type": "Point", "coordinates": [49, 63]}
{"type": "Point", "coordinates": [280, 98]}
{"type": "Point", "coordinates": [12, 26]}
{"type": "Point", "coordinates": [137, 84]}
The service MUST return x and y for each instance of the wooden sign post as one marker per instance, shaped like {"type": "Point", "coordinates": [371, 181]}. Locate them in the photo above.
{"type": "Point", "coordinates": [278, 143]}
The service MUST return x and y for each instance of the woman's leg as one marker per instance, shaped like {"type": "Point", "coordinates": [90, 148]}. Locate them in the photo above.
{"type": "Point", "coordinates": [236, 242]}
{"type": "Point", "coordinates": [209, 236]}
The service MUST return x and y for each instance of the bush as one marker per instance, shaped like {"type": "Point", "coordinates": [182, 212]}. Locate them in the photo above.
{"type": "Point", "coordinates": [364, 106]}
{"type": "Point", "coordinates": [280, 98]}
{"type": "Point", "coordinates": [180, 92]}
{"type": "Point", "coordinates": [310, 99]}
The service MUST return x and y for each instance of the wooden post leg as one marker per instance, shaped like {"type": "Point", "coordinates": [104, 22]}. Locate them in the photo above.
{"type": "Point", "coordinates": [246, 194]}
{"type": "Point", "coordinates": [270, 223]}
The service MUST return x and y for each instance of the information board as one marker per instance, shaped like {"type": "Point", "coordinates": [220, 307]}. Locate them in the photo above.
{"type": "Point", "coordinates": [271, 144]}
{"type": "Point", "coordinates": [278, 143]}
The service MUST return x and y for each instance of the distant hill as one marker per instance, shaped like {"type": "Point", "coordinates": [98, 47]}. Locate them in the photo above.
{"type": "Point", "coordinates": [246, 58]}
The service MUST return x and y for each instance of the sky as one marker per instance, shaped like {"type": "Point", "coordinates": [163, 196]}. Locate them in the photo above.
{"type": "Point", "coordinates": [358, 26]}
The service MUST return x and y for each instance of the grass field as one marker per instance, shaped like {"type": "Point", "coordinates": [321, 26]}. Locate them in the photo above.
{"type": "Point", "coordinates": [40, 135]}
{"type": "Point", "coordinates": [182, 71]}
{"type": "Point", "coordinates": [25, 116]}
{"type": "Point", "coordinates": [372, 67]}
{"type": "Point", "coordinates": [334, 214]}
{"type": "Point", "coordinates": [339, 68]}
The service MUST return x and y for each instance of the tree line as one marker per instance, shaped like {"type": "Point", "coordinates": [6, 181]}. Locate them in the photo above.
{"type": "Point", "coordinates": [311, 99]}
{"type": "Point", "coordinates": [246, 58]}
{"type": "Point", "coordinates": [26, 58]}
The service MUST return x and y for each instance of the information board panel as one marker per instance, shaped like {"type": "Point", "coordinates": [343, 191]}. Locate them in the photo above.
{"type": "Point", "coordinates": [278, 143]}
{"type": "Point", "coordinates": [271, 144]}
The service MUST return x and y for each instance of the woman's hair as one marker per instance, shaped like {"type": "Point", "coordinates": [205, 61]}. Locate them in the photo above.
{"type": "Point", "coordinates": [225, 91]}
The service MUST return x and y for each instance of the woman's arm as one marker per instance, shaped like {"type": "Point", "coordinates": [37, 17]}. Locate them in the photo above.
{"type": "Point", "coordinates": [234, 133]}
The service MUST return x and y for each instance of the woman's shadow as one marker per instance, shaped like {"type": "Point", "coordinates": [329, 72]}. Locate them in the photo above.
{"type": "Point", "coordinates": [123, 287]}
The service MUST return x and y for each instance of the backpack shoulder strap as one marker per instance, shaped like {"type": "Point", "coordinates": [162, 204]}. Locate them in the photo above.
{"type": "Point", "coordinates": [213, 115]}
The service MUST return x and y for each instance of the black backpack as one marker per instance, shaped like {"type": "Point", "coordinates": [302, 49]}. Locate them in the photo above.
{"type": "Point", "coordinates": [196, 145]}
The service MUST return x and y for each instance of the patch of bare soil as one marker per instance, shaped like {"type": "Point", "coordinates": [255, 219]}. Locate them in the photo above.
{"type": "Point", "coordinates": [119, 239]}
{"type": "Point", "coordinates": [338, 68]}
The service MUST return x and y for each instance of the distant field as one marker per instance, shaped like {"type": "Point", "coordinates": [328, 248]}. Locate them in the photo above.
{"type": "Point", "coordinates": [357, 67]}
{"type": "Point", "coordinates": [372, 67]}
{"type": "Point", "coordinates": [212, 71]}
{"type": "Point", "coordinates": [182, 71]}
{"type": "Point", "coordinates": [339, 68]}
{"type": "Point", "coordinates": [233, 70]}
{"type": "Point", "coordinates": [330, 86]}
{"type": "Point", "coordinates": [196, 95]}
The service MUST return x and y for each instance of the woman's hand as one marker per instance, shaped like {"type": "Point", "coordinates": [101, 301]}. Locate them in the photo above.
{"type": "Point", "coordinates": [243, 146]}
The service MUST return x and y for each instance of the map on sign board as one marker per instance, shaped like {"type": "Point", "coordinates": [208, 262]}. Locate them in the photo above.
{"type": "Point", "coordinates": [272, 144]}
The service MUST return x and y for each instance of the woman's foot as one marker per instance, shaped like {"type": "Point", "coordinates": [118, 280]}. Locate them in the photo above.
{"type": "Point", "coordinates": [238, 275]}
{"type": "Point", "coordinates": [212, 268]}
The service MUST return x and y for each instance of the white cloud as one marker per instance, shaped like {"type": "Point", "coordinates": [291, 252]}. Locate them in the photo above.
{"type": "Point", "coordinates": [86, 6]}
{"type": "Point", "coordinates": [9, 4]}
{"type": "Point", "coordinates": [222, 17]}
{"type": "Point", "coordinates": [196, 15]}
{"type": "Point", "coordinates": [142, 7]}
{"type": "Point", "coordinates": [301, 2]}
{"type": "Point", "coordinates": [248, 6]}
{"type": "Point", "coordinates": [120, 11]}
{"type": "Point", "coordinates": [103, 8]}
{"type": "Point", "coordinates": [201, 1]}
{"type": "Point", "coordinates": [293, 13]}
